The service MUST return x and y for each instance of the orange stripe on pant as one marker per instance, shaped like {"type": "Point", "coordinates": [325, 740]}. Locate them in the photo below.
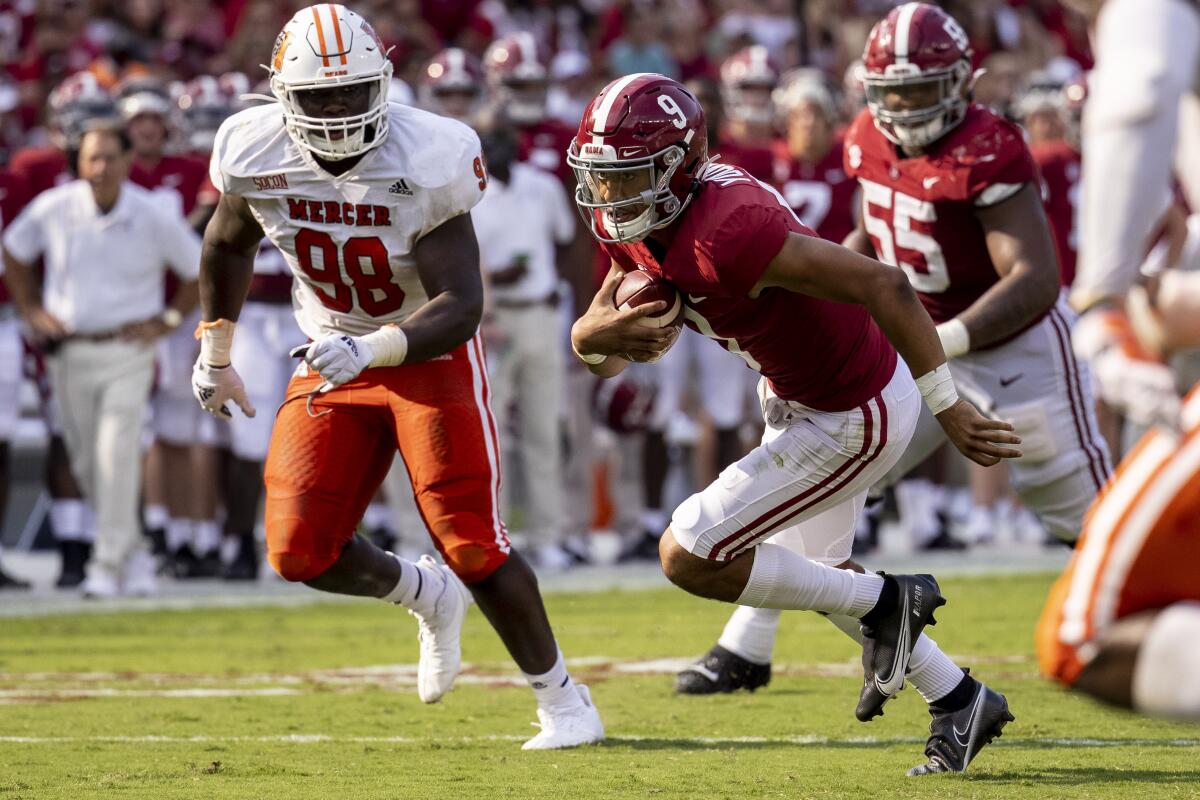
{"type": "Point", "coordinates": [322, 471]}
{"type": "Point", "coordinates": [1149, 558]}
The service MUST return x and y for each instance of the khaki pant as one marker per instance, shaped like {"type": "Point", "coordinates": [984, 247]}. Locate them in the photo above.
{"type": "Point", "coordinates": [528, 376]}
{"type": "Point", "coordinates": [101, 392]}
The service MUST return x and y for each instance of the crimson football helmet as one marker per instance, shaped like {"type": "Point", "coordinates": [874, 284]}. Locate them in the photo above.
{"type": "Point", "coordinates": [917, 72]}
{"type": "Point", "coordinates": [517, 75]}
{"type": "Point", "coordinates": [452, 84]}
{"type": "Point", "coordinates": [747, 79]}
{"type": "Point", "coordinates": [637, 156]}
{"type": "Point", "coordinates": [76, 102]}
{"type": "Point", "coordinates": [204, 102]}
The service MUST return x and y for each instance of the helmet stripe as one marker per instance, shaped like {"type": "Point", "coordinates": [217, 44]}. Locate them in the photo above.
{"type": "Point", "coordinates": [320, 37]}
{"type": "Point", "coordinates": [602, 112]}
{"type": "Point", "coordinates": [903, 30]}
{"type": "Point", "coordinates": [337, 31]}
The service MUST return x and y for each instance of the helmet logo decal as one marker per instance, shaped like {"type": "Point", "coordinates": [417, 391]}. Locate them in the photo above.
{"type": "Point", "coordinates": [955, 32]}
{"type": "Point", "coordinates": [281, 45]}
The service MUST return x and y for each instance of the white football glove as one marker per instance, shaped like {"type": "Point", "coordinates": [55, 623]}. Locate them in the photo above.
{"type": "Point", "coordinates": [338, 358]}
{"type": "Point", "coordinates": [214, 387]}
{"type": "Point", "coordinates": [1142, 390]}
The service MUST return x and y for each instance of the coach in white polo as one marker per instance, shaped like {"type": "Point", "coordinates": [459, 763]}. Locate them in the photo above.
{"type": "Point", "coordinates": [106, 244]}
{"type": "Point", "coordinates": [522, 223]}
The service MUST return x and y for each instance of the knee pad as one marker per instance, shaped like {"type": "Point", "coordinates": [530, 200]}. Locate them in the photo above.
{"type": "Point", "coordinates": [299, 551]}
{"type": "Point", "coordinates": [472, 562]}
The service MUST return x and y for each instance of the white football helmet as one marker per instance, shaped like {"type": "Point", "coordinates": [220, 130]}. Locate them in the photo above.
{"type": "Point", "coordinates": [320, 47]}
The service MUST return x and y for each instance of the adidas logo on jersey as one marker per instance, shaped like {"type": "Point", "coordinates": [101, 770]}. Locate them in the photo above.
{"type": "Point", "coordinates": [401, 187]}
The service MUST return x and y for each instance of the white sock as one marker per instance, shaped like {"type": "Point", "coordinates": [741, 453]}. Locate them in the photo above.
{"type": "Point", "coordinates": [787, 580]}
{"type": "Point", "coordinates": [418, 588]}
{"type": "Point", "coordinates": [929, 669]}
{"type": "Point", "coordinates": [206, 534]}
{"type": "Point", "coordinates": [155, 517]}
{"type": "Point", "coordinates": [179, 533]}
{"type": "Point", "coordinates": [554, 688]}
{"type": "Point", "coordinates": [750, 633]}
{"type": "Point", "coordinates": [68, 518]}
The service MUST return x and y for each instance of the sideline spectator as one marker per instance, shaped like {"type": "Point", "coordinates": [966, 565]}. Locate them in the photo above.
{"type": "Point", "coordinates": [105, 244]}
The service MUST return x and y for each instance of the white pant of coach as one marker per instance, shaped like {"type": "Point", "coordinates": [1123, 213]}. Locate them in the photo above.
{"type": "Point", "coordinates": [102, 391]}
{"type": "Point", "coordinates": [528, 374]}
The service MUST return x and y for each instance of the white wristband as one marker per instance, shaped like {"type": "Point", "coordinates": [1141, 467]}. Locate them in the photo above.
{"type": "Point", "coordinates": [592, 359]}
{"type": "Point", "coordinates": [389, 346]}
{"type": "Point", "coordinates": [937, 387]}
{"type": "Point", "coordinates": [216, 340]}
{"type": "Point", "coordinates": [956, 340]}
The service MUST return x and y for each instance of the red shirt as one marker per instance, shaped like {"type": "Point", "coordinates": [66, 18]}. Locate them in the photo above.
{"type": "Point", "coordinates": [544, 144]}
{"type": "Point", "coordinates": [1061, 166]}
{"type": "Point", "coordinates": [177, 178]}
{"type": "Point", "coordinates": [758, 160]}
{"type": "Point", "coordinates": [41, 168]}
{"type": "Point", "coordinates": [920, 211]}
{"type": "Point", "coordinates": [14, 194]}
{"type": "Point", "coordinates": [718, 250]}
{"type": "Point", "coordinates": [821, 194]}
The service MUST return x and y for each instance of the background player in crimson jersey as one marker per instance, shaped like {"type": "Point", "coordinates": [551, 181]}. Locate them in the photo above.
{"type": "Point", "coordinates": [748, 137]}
{"type": "Point", "coordinates": [756, 280]}
{"type": "Point", "coordinates": [950, 196]}
{"type": "Point", "coordinates": [809, 169]}
{"type": "Point", "coordinates": [13, 196]}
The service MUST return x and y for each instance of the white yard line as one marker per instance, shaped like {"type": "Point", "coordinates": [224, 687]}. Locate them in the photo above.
{"type": "Point", "coordinates": [702, 741]}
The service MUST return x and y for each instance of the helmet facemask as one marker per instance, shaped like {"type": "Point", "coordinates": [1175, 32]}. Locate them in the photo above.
{"type": "Point", "coordinates": [932, 118]}
{"type": "Point", "coordinates": [644, 200]}
{"type": "Point", "coordinates": [336, 138]}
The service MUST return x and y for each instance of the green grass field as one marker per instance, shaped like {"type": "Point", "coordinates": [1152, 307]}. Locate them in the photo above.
{"type": "Point", "coordinates": [318, 702]}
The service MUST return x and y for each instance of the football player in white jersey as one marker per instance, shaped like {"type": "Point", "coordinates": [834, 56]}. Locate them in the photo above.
{"type": "Point", "coordinates": [369, 203]}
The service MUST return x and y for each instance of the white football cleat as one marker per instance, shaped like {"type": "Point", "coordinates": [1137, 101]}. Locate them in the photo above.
{"type": "Point", "coordinates": [101, 585]}
{"type": "Point", "coordinates": [570, 727]}
{"type": "Point", "coordinates": [140, 577]}
{"type": "Point", "coordinates": [439, 632]}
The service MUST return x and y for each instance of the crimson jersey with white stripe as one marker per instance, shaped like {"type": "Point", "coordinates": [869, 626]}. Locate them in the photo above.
{"type": "Point", "coordinates": [1061, 167]}
{"type": "Point", "coordinates": [920, 211]}
{"type": "Point", "coordinates": [820, 193]}
{"type": "Point", "coordinates": [176, 179]}
{"type": "Point", "coordinates": [348, 239]}
{"type": "Point", "coordinates": [828, 356]}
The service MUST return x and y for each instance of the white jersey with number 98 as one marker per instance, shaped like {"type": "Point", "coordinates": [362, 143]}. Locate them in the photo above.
{"type": "Point", "coordinates": [349, 238]}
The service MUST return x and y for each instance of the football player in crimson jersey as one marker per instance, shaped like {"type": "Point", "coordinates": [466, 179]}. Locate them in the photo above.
{"type": "Point", "coordinates": [810, 173]}
{"type": "Point", "coordinates": [74, 103]}
{"type": "Point", "coordinates": [369, 202]}
{"type": "Point", "coordinates": [950, 197]}
{"type": "Point", "coordinates": [747, 140]}
{"type": "Point", "coordinates": [775, 530]}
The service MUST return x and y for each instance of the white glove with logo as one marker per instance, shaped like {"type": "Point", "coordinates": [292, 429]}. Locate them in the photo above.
{"type": "Point", "coordinates": [338, 358]}
{"type": "Point", "coordinates": [214, 387]}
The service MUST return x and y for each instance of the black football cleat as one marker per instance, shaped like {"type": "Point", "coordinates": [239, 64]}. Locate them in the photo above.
{"type": "Point", "coordinates": [244, 565]}
{"type": "Point", "coordinates": [957, 737]}
{"type": "Point", "coordinates": [722, 672]}
{"type": "Point", "coordinates": [888, 642]}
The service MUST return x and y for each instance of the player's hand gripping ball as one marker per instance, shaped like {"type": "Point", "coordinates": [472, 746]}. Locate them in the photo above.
{"type": "Point", "coordinates": [639, 288]}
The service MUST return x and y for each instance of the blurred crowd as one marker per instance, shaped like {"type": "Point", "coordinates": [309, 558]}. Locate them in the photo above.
{"type": "Point", "coordinates": [779, 82]}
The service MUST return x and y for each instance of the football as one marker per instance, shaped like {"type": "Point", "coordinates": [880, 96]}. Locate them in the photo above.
{"type": "Point", "coordinates": [639, 287]}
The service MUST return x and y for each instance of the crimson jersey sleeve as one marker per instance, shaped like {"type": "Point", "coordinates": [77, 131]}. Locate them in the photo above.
{"type": "Point", "coordinates": [999, 164]}
{"type": "Point", "coordinates": [735, 256]}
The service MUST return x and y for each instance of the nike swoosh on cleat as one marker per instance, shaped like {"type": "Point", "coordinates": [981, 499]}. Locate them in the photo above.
{"type": "Point", "coordinates": [969, 728]}
{"type": "Point", "coordinates": [705, 672]}
{"type": "Point", "coordinates": [901, 647]}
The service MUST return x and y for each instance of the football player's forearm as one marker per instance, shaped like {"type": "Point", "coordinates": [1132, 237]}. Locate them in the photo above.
{"type": "Point", "coordinates": [1009, 306]}
{"type": "Point", "coordinates": [441, 325]}
{"type": "Point", "coordinates": [225, 274]}
{"type": "Point", "coordinates": [905, 322]}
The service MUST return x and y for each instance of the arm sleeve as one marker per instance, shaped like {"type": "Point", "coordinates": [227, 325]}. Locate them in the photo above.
{"type": "Point", "coordinates": [25, 237]}
{"type": "Point", "coordinates": [738, 253]}
{"type": "Point", "coordinates": [1000, 173]}
{"type": "Point", "coordinates": [180, 247]}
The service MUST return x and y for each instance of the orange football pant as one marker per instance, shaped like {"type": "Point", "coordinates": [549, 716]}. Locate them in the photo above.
{"type": "Point", "coordinates": [1140, 548]}
{"type": "Point", "coordinates": [326, 462]}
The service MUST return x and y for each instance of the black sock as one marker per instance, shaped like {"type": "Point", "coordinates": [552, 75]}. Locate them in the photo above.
{"type": "Point", "coordinates": [958, 697]}
{"type": "Point", "coordinates": [889, 598]}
